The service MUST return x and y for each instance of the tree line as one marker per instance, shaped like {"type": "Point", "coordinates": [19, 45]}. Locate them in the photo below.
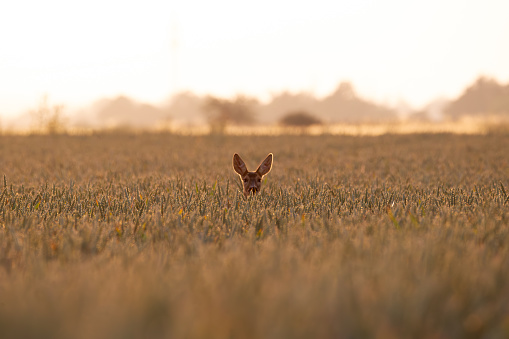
{"type": "Point", "coordinates": [484, 98]}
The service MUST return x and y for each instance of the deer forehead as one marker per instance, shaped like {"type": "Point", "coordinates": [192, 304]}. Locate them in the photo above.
{"type": "Point", "coordinates": [252, 176]}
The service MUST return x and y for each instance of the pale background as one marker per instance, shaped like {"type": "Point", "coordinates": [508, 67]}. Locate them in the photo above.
{"type": "Point", "coordinates": [76, 52]}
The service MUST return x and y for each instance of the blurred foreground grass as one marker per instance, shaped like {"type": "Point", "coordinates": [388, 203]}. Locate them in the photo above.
{"type": "Point", "coordinates": [129, 236]}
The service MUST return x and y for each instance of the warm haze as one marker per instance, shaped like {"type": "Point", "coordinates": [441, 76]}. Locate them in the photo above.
{"type": "Point", "coordinates": [391, 50]}
{"type": "Point", "coordinates": [374, 134]}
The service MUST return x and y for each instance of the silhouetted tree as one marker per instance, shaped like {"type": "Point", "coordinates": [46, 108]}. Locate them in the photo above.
{"type": "Point", "coordinates": [125, 112]}
{"type": "Point", "coordinates": [484, 97]}
{"type": "Point", "coordinates": [222, 112]}
{"type": "Point", "coordinates": [345, 106]}
{"type": "Point", "coordinates": [46, 119]}
{"type": "Point", "coordinates": [299, 119]}
{"type": "Point", "coordinates": [419, 116]}
{"type": "Point", "coordinates": [185, 108]}
{"type": "Point", "coordinates": [287, 102]}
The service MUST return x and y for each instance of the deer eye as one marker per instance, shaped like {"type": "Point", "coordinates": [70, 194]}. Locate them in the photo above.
{"type": "Point", "coordinates": [259, 180]}
{"type": "Point", "coordinates": [245, 179]}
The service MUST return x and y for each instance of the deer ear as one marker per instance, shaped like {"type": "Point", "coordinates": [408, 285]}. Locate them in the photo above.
{"type": "Point", "coordinates": [238, 165]}
{"type": "Point", "coordinates": [265, 166]}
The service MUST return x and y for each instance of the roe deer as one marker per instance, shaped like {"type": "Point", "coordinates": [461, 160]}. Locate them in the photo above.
{"type": "Point", "coordinates": [251, 180]}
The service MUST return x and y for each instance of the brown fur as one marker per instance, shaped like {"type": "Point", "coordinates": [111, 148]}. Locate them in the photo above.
{"type": "Point", "coordinates": [251, 181]}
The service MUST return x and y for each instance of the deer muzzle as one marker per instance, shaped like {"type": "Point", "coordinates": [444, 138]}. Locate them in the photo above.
{"type": "Point", "coordinates": [252, 189]}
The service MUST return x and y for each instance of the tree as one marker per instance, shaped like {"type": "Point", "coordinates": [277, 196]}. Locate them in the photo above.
{"type": "Point", "coordinates": [286, 102]}
{"type": "Point", "coordinates": [223, 112]}
{"type": "Point", "coordinates": [345, 106]}
{"type": "Point", "coordinates": [484, 96]}
{"type": "Point", "coordinates": [299, 119]}
{"type": "Point", "coordinates": [185, 108]}
{"type": "Point", "coordinates": [123, 112]}
{"type": "Point", "coordinates": [46, 119]}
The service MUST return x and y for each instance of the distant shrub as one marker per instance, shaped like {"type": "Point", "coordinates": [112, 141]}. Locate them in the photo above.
{"type": "Point", "coordinates": [47, 119]}
{"type": "Point", "coordinates": [299, 119]}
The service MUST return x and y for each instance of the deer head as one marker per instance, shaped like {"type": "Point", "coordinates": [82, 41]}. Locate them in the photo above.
{"type": "Point", "coordinates": [252, 181]}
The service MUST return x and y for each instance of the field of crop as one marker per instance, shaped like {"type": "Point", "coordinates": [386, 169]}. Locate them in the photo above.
{"type": "Point", "coordinates": [150, 236]}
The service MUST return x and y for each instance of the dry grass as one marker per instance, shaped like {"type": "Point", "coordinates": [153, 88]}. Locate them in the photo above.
{"type": "Point", "coordinates": [120, 236]}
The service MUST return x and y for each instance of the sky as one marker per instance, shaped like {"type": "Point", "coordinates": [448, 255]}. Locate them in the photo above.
{"type": "Point", "coordinates": [76, 52]}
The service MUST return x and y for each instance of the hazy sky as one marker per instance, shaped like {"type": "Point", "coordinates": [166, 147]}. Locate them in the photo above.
{"type": "Point", "coordinates": [79, 51]}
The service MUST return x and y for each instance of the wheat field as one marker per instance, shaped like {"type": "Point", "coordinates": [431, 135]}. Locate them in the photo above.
{"type": "Point", "coordinates": [150, 236]}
